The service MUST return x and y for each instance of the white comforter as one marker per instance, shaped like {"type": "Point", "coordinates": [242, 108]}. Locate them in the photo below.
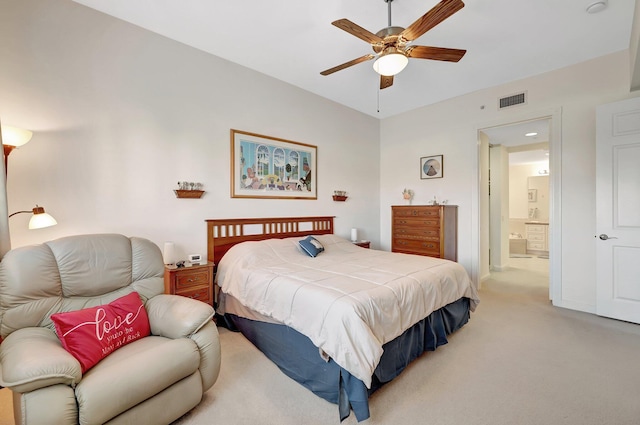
{"type": "Point", "coordinates": [348, 300]}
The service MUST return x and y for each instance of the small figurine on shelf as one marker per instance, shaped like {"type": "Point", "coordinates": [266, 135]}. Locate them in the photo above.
{"type": "Point", "coordinates": [407, 194]}
{"type": "Point", "coordinates": [189, 186]}
{"type": "Point", "coordinates": [339, 195]}
{"type": "Point", "coordinates": [189, 190]}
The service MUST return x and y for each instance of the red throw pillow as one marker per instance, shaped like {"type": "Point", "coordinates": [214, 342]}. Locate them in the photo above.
{"type": "Point", "coordinates": [93, 333]}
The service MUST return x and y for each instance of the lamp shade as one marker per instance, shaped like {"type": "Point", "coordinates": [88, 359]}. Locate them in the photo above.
{"type": "Point", "coordinates": [390, 63]}
{"type": "Point", "coordinates": [169, 253]}
{"type": "Point", "coordinates": [41, 219]}
{"type": "Point", "coordinates": [14, 136]}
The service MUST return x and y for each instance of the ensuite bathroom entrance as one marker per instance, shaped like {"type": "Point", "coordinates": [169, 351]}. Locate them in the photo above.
{"type": "Point", "coordinates": [519, 201]}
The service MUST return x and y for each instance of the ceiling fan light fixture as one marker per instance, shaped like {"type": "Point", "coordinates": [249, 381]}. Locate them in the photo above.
{"type": "Point", "coordinates": [390, 63]}
{"type": "Point", "coordinates": [392, 46]}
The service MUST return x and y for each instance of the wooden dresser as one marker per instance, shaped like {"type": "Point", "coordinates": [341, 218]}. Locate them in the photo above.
{"type": "Point", "coordinates": [194, 281]}
{"type": "Point", "coordinates": [430, 230]}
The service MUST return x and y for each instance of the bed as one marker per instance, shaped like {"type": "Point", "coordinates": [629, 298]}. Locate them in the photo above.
{"type": "Point", "coordinates": [341, 323]}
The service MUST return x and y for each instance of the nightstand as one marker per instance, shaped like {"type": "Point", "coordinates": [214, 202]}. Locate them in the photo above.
{"type": "Point", "coordinates": [364, 244]}
{"type": "Point", "coordinates": [192, 281]}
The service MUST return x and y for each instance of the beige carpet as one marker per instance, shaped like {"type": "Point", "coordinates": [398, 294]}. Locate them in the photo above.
{"type": "Point", "coordinates": [519, 361]}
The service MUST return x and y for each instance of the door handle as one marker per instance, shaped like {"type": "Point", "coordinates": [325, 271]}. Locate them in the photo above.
{"type": "Point", "coordinates": [604, 237]}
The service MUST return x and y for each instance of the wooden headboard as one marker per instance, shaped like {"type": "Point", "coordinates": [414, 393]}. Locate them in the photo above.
{"type": "Point", "coordinates": [222, 234]}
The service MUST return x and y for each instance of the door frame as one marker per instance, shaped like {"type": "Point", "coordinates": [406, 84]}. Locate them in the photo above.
{"type": "Point", "coordinates": [480, 211]}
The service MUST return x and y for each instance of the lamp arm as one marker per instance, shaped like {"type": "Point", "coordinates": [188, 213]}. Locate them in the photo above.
{"type": "Point", "coordinates": [19, 212]}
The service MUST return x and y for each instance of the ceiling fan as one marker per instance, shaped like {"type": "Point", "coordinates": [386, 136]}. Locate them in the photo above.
{"type": "Point", "coordinates": [392, 45]}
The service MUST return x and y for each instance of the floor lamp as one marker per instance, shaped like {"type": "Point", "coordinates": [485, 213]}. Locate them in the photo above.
{"type": "Point", "coordinates": [13, 137]}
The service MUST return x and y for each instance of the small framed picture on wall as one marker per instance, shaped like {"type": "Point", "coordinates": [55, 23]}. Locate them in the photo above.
{"type": "Point", "coordinates": [431, 167]}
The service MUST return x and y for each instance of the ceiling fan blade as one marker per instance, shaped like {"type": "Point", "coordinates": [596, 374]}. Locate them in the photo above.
{"type": "Point", "coordinates": [348, 64]}
{"type": "Point", "coordinates": [357, 30]}
{"type": "Point", "coordinates": [437, 14]}
{"type": "Point", "coordinates": [435, 53]}
{"type": "Point", "coordinates": [386, 81]}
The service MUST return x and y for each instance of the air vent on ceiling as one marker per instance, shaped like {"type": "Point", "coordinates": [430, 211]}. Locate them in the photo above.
{"type": "Point", "coordinates": [513, 100]}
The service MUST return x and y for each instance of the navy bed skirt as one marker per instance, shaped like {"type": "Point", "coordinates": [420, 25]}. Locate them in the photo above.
{"type": "Point", "coordinates": [299, 359]}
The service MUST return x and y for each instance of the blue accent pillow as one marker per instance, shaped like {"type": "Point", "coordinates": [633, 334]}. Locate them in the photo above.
{"type": "Point", "coordinates": [311, 246]}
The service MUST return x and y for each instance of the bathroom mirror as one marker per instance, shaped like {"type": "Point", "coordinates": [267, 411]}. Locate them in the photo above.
{"type": "Point", "coordinates": [538, 198]}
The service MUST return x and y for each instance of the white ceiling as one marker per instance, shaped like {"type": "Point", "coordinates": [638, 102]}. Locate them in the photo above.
{"type": "Point", "coordinates": [523, 149]}
{"type": "Point", "coordinates": [293, 41]}
{"type": "Point", "coordinates": [536, 156]}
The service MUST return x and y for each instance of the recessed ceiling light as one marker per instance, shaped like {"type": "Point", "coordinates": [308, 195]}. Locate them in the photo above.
{"type": "Point", "coordinates": [531, 134]}
{"type": "Point", "coordinates": [597, 6]}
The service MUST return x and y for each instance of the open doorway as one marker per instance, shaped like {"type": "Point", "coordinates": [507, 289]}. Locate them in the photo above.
{"type": "Point", "coordinates": [519, 207]}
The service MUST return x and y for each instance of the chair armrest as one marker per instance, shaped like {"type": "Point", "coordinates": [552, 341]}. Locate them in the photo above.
{"type": "Point", "coordinates": [33, 358]}
{"type": "Point", "coordinates": [208, 342]}
{"type": "Point", "coordinates": [173, 316]}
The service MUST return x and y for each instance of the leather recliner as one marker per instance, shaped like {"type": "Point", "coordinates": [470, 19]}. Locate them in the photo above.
{"type": "Point", "coordinates": [153, 380]}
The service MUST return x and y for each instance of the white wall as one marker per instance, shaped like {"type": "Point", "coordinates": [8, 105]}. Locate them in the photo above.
{"type": "Point", "coordinates": [540, 206]}
{"type": "Point", "coordinates": [499, 207]}
{"type": "Point", "coordinates": [120, 115]}
{"type": "Point", "coordinates": [451, 128]}
{"type": "Point", "coordinates": [483, 210]}
{"type": "Point", "coordinates": [518, 189]}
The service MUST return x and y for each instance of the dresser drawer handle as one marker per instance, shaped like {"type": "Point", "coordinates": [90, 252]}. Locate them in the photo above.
{"type": "Point", "coordinates": [195, 296]}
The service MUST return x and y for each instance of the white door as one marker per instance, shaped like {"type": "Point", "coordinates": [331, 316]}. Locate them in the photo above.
{"type": "Point", "coordinates": [618, 210]}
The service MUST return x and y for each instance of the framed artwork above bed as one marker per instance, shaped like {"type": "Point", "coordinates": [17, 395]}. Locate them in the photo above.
{"type": "Point", "coordinates": [269, 167]}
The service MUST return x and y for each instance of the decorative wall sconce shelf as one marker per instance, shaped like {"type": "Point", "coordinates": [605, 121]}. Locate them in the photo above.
{"type": "Point", "coordinates": [338, 198]}
{"type": "Point", "coordinates": [188, 193]}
